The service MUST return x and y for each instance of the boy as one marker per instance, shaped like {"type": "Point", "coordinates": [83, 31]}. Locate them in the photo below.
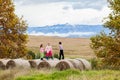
{"type": "Point", "coordinates": [61, 53]}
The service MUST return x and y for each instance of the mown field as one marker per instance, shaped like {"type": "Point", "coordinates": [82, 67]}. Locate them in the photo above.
{"type": "Point", "coordinates": [59, 75]}
{"type": "Point", "coordinates": [73, 48]}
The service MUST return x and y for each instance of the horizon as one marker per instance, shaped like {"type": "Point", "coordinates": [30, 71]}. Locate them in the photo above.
{"type": "Point", "coordinates": [69, 24]}
{"type": "Point", "coordinates": [72, 31]}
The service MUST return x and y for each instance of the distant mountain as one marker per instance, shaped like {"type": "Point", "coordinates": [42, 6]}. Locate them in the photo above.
{"type": "Point", "coordinates": [67, 30]}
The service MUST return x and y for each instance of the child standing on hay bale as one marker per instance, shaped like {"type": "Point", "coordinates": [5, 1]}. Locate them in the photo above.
{"type": "Point", "coordinates": [48, 51]}
{"type": "Point", "coordinates": [61, 53]}
{"type": "Point", "coordinates": [41, 51]}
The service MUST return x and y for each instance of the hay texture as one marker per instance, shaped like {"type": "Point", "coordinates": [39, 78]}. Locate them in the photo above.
{"type": "Point", "coordinates": [77, 64]}
{"type": "Point", "coordinates": [64, 64]}
{"type": "Point", "coordinates": [2, 66]}
{"type": "Point", "coordinates": [18, 63]}
{"type": "Point", "coordinates": [86, 64]}
{"type": "Point", "coordinates": [34, 63]}
{"type": "Point", "coordinates": [52, 62]}
{"type": "Point", "coordinates": [3, 63]}
{"type": "Point", "coordinates": [10, 64]}
{"type": "Point", "coordinates": [44, 64]}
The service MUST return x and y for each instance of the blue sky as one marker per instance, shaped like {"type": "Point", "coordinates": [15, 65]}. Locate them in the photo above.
{"type": "Point", "coordinates": [51, 12]}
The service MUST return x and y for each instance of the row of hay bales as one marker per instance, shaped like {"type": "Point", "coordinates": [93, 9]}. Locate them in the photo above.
{"type": "Point", "coordinates": [78, 63]}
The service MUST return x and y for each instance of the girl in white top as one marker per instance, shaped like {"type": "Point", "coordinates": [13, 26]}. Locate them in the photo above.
{"type": "Point", "coordinates": [48, 50]}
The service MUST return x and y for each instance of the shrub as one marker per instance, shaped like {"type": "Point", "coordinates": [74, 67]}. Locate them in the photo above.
{"type": "Point", "coordinates": [37, 56]}
{"type": "Point", "coordinates": [56, 56]}
{"type": "Point", "coordinates": [30, 55]}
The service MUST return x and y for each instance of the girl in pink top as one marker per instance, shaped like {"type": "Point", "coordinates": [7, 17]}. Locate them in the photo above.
{"type": "Point", "coordinates": [41, 51]}
{"type": "Point", "coordinates": [48, 50]}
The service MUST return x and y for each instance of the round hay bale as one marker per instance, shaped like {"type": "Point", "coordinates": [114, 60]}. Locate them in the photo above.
{"type": "Point", "coordinates": [21, 63]}
{"type": "Point", "coordinates": [52, 62]}
{"type": "Point", "coordinates": [37, 61]}
{"type": "Point", "coordinates": [74, 64]}
{"type": "Point", "coordinates": [63, 65]}
{"type": "Point", "coordinates": [18, 63]}
{"type": "Point", "coordinates": [10, 64]}
{"type": "Point", "coordinates": [86, 64]}
{"type": "Point", "coordinates": [33, 64]}
{"type": "Point", "coordinates": [77, 64]}
{"type": "Point", "coordinates": [4, 61]}
{"type": "Point", "coordinates": [2, 66]}
{"type": "Point", "coordinates": [44, 64]}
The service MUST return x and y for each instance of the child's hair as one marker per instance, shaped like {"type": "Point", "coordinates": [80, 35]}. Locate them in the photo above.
{"type": "Point", "coordinates": [60, 42]}
{"type": "Point", "coordinates": [41, 45]}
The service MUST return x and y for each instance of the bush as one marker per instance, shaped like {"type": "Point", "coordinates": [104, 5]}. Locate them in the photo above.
{"type": "Point", "coordinates": [56, 56]}
{"type": "Point", "coordinates": [30, 55]}
{"type": "Point", "coordinates": [37, 56]}
{"type": "Point", "coordinates": [96, 64]}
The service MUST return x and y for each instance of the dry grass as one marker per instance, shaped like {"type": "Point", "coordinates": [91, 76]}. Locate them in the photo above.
{"type": "Point", "coordinates": [73, 47]}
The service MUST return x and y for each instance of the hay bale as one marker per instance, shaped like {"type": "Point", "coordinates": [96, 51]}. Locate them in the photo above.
{"type": "Point", "coordinates": [77, 64]}
{"type": "Point", "coordinates": [64, 64]}
{"type": "Point", "coordinates": [86, 64]}
{"type": "Point", "coordinates": [4, 61]}
{"type": "Point", "coordinates": [18, 63]}
{"type": "Point", "coordinates": [34, 63]}
{"type": "Point", "coordinates": [10, 64]}
{"type": "Point", "coordinates": [2, 66]}
{"type": "Point", "coordinates": [52, 62]}
{"type": "Point", "coordinates": [37, 61]}
{"type": "Point", "coordinates": [44, 64]}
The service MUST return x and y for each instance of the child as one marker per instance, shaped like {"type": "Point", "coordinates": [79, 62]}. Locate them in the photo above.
{"type": "Point", "coordinates": [41, 51]}
{"type": "Point", "coordinates": [61, 53]}
{"type": "Point", "coordinates": [48, 50]}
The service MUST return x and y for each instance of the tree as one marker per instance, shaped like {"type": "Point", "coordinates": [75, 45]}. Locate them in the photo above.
{"type": "Point", "coordinates": [107, 46]}
{"type": "Point", "coordinates": [12, 32]}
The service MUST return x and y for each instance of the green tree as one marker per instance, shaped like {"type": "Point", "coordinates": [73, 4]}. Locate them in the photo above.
{"type": "Point", "coordinates": [107, 46]}
{"type": "Point", "coordinates": [12, 32]}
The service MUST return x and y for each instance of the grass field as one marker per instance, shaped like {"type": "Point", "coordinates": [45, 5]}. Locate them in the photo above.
{"type": "Point", "coordinates": [74, 75]}
{"type": "Point", "coordinates": [60, 75]}
{"type": "Point", "coordinates": [73, 47]}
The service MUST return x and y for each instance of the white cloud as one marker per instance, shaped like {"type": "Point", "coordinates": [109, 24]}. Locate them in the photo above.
{"type": "Point", "coordinates": [60, 13]}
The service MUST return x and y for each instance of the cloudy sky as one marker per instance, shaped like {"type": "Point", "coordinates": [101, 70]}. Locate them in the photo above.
{"type": "Point", "coordinates": [51, 12]}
